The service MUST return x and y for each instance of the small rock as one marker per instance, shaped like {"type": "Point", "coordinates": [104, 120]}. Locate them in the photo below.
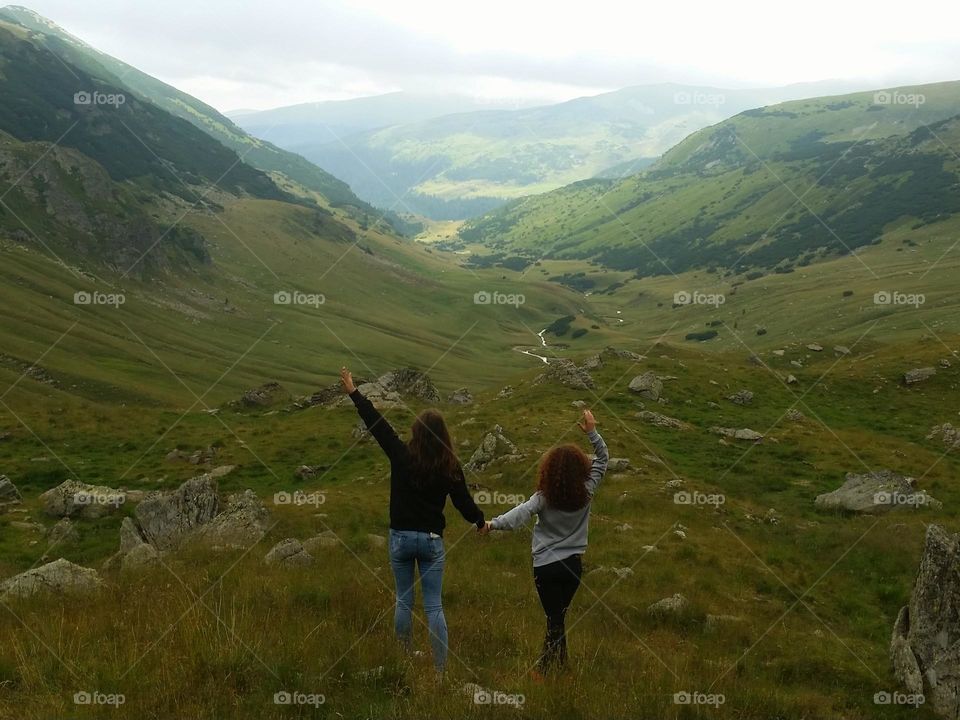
{"type": "Point", "coordinates": [289, 553]}
{"type": "Point", "coordinates": [742, 397]}
{"type": "Point", "coordinates": [673, 605]}
{"type": "Point", "coordinates": [841, 350]}
{"type": "Point", "coordinates": [9, 495]}
{"type": "Point", "coordinates": [918, 375]}
{"type": "Point", "coordinates": [460, 396]}
{"type": "Point", "coordinates": [815, 347]}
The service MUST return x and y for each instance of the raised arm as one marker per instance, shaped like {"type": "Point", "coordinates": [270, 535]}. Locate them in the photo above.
{"type": "Point", "coordinates": [378, 426]}
{"type": "Point", "coordinates": [463, 501]}
{"type": "Point", "coordinates": [601, 456]}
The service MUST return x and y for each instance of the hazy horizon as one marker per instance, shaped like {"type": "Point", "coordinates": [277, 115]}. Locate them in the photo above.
{"type": "Point", "coordinates": [240, 57]}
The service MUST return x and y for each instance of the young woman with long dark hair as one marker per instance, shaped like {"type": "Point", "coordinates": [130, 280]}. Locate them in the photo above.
{"type": "Point", "coordinates": [423, 472]}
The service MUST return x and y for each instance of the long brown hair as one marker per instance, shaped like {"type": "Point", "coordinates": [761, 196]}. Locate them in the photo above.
{"type": "Point", "coordinates": [563, 477]}
{"type": "Point", "coordinates": [431, 451]}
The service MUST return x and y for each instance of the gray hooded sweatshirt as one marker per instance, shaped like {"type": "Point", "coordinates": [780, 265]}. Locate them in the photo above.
{"type": "Point", "coordinates": [558, 534]}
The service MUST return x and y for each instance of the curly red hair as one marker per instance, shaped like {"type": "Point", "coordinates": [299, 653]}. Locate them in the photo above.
{"type": "Point", "coordinates": [563, 478]}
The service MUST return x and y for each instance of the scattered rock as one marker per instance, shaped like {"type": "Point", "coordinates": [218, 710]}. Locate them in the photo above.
{"type": "Point", "coordinates": [662, 420]}
{"type": "Point", "coordinates": [742, 397]}
{"type": "Point", "coordinates": [289, 553]}
{"type": "Point", "coordinates": [266, 395]}
{"type": "Point", "coordinates": [924, 646]}
{"type": "Point", "coordinates": [949, 434]}
{"type": "Point", "coordinates": [377, 394]}
{"type": "Point", "coordinates": [618, 465]}
{"type": "Point", "coordinates": [797, 364]}
{"type": "Point", "coordinates": [623, 354]}
{"type": "Point", "coordinates": [310, 472]}
{"type": "Point", "coordinates": [63, 533]}
{"type": "Point", "coordinates": [60, 577]}
{"type": "Point", "coordinates": [945, 363]}
{"type": "Point", "coordinates": [815, 347]}
{"type": "Point", "coordinates": [779, 353]}
{"type": "Point", "coordinates": [673, 605]}
{"type": "Point", "coordinates": [505, 392]}
{"type": "Point", "coordinates": [877, 491]}
{"type": "Point", "coordinates": [737, 434]}
{"type": "Point", "coordinates": [9, 495]}
{"type": "Point", "coordinates": [326, 539]}
{"type": "Point", "coordinates": [567, 374]}
{"type": "Point", "coordinates": [72, 498]}
{"type": "Point", "coordinates": [579, 404]}
{"type": "Point", "coordinates": [841, 350]}
{"type": "Point", "coordinates": [794, 415]}
{"type": "Point", "coordinates": [494, 446]}
{"type": "Point", "coordinates": [648, 386]}
{"type": "Point", "coordinates": [713, 622]}
{"type": "Point", "coordinates": [918, 375]}
{"type": "Point", "coordinates": [594, 362]}
{"type": "Point", "coordinates": [792, 380]}
{"type": "Point", "coordinates": [204, 456]}
{"type": "Point", "coordinates": [461, 396]}
{"type": "Point", "coordinates": [216, 473]}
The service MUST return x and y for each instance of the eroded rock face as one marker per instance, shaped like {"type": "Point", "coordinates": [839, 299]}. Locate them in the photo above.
{"type": "Point", "coordinates": [60, 577]}
{"type": "Point", "coordinates": [567, 374]}
{"type": "Point", "coordinates": [165, 519]}
{"type": "Point", "coordinates": [412, 382]}
{"type": "Point", "coordinates": [877, 491]}
{"type": "Point", "coordinates": [73, 498]}
{"type": "Point", "coordinates": [494, 446]}
{"type": "Point", "coordinates": [925, 646]}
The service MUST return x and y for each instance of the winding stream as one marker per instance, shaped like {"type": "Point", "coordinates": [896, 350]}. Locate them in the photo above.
{"type": "Point", "coordinates": [527, 351]}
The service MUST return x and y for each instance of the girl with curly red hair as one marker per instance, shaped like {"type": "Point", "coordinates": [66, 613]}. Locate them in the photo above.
{"type": "Point", "coordinates": [566, 484]}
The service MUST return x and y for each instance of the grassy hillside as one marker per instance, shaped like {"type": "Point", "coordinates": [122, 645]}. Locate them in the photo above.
{"type": "Point", "coordinates": [464, 164]}
{"type": "Point", "coordinates": [297, 173]}
{"type": "Point", "coordinates": [772, 188]}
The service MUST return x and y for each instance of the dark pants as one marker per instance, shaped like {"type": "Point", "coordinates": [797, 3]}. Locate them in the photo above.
{"type": "Point", "coordinates": [557, 583]}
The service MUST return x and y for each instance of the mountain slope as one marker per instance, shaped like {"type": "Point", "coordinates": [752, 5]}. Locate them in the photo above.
{"type": "Point", "coordinates": [768, 188]}
{"type": "Point", "coordinates": [460, 165]}
{"type": "Point", "coordinates": [258, 153]}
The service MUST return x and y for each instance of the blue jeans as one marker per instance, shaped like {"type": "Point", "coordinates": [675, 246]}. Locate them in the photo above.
{"type": "Point", "coordinates": [407, 549]}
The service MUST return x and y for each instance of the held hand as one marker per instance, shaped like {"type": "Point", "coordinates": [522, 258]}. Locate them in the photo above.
{"type": "Point", "coordinates": [587, 423]}
{"type": "Point", "coordinates": [346, 377]}
{"type": "Point", "coordinates": [485, 529]}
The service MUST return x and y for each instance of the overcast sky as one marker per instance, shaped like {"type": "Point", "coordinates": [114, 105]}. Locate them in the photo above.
{"type": "Point", "coordinates": [244, 54]}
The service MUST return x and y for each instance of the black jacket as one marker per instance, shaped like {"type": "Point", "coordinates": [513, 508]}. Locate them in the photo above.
{"type": "Point", "coordinates": [412, 507]}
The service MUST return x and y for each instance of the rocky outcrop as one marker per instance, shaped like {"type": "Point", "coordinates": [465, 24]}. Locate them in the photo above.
{"type": "Point", "coordinates": [737, 433]}
{"type": "Point", "coordinates": [623, 354]}
{"type": "Point", "coordinates": [60, 577]}
{"type": "Point", "coordinates": [73, 498]}
{"type": "Point", "coordinates": [493, 447]}
{"type": "Point", "coordinates": [461, 396]}
{"type": "Point", "coordinates": [165, 519]}
{"type": "Point", "coordinates": [647, 386]}
{"type": "Point", "coordinates": [925, 646]}
{"type": "Point", "coordinates": [876, 491]}
{"type": "Point", "coordinates": [918, 375]}
{"type": "Point", "coordinates": [567, 374]}
{"type": "Point", "coordinates": [267, 395]}
{"type": "Point", "coordinates": [377, 394]}
{"type": "Point", "coordinates": [663, 421]}
{"type": "Point", "coordinates": [241, 524]}
{"type": "Point", "coordinates": [594, 362]}
{"type": "Point", "coordinates": [9, 495]}
{"type": "Point", "coordinates": [410, 382]}
{"type": "Point", "coordinates": [947, 433]}
{"type": "Point", "coordinates": [741, 397]}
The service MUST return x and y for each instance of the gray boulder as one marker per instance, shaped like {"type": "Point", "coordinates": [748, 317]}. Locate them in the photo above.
{"type": "Point", "coordinates": [165, 519]}
{"type": "Point", "coordinates": [623, 354]}
{"type": "Point", "coordinates": [60, 577]}
{"type": "Point", "coordinates": [737, 433]}
{"type": "Point", "coordinates": [917, 375]}
{"type": "Point", "coordinates": [647, 386]}
{"type": "Point", "coordinates": [289, 553]}
{"type": "Point", "coordinates": [594, 362]}
{"type": "Point", "coordinates": [663, 421]}
{"type": "Point", "coordinates": [139, 557]}
{"type": "Point", "coordinates": [673, 605]}
{"type": "Point", "coordinates": [240, 525]}
{"type": "Point", "coordinates": [925, 646]}
{"type": "Point", "coordinates": [742, 397]}
{"type": "Point", "coordinates": [73, 498]}
{"type": "Point", "coordinates": [326, 539]}
{"type": "Point", "coordinates": [9, 495]}
{"type": "Point", "coordinates": [947, 433]}
{"type": "Point", "coordinates": [461, 396]}
{"type": "Point", "coordinates": [266, 395]}
{"type": "Point", "coordinates": [412, 382]}
{"type": "Point", "coordinates": [876, 491]}
{"type": "Point", "coordinates": [494, 446]}
{"type": "Point", "coordinates": [567, 374]}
